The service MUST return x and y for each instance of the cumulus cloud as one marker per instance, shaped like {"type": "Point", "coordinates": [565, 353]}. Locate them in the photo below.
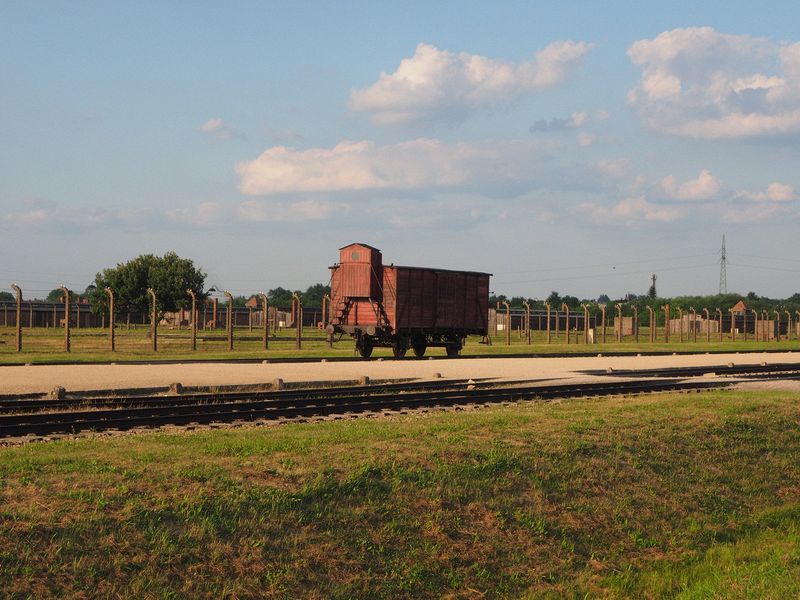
{"type": "Point", "coordinates": [629, 211]}
{"type": "Point", "coordinates": [219, 130]}
{"type": "Point", "coordinates": [438, 84]}
{"type": "Point", "coordinates": [700, 83]}
{"type": "Point", "coordinates": [575, 120]}
{"type": "Point", "coordinates": [705, 187]}
{"type": "Point", "coordinates": [37, 213]}
{"type": "Point", "coordinates": [775, 192]}
{"type": "Point", "coordinates": [363, 165]}
{"type": "Point", "coordinates": [258, 211]}
{"type": "Point", "coordinates": [215, 214]}
{"type": "Point", "coordinates": [752, 213]}
{"type": "Point", "coordinates": [615, 168]}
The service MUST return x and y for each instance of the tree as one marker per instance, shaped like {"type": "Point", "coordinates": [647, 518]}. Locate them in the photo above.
{"type": "Point", "coordinates": [280, 297]}
{"type": "Point", "coordinates": [313, 295]}
{"type": "Point", "coordinates": [6, 297]}
{"type": "Point", "coordinates": [603, 299]}
{"type": "Point", "coordinates": [651, 293]}
{"type": "Point", "coordinates": [55, 295]}
{"type": "Point", "coordinates": [169, 276]}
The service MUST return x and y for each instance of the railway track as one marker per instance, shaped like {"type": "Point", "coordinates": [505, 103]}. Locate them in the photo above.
{"type": "Point", "coordinates": [129, 413]}
{"type": "Point", "coordinates": [784, 370]}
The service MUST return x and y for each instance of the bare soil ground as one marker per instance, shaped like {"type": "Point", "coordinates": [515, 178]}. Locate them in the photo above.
{"type": "Point", "coordinates": [43, 378]}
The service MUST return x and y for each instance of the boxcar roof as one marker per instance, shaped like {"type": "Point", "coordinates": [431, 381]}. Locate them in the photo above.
{"type": "Point", "coordinates": [436, 269]}
{"type": "Point", "coordinates": [360, 244]}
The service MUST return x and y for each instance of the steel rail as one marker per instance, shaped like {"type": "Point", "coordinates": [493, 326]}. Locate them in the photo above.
{"type": "Point", "coordinates": [123, 419]}
{"type": "Point", "coordinates": [694, 371]}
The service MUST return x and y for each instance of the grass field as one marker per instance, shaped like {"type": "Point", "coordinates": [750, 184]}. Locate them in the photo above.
{"type": "Point", "coordinates": [689, 496]}
{"type": "Point", "coordinates": [41, 345]}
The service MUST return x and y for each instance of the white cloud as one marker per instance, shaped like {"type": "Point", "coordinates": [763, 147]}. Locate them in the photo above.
{"type": "Point", "coordinates": [700, 83]}
{"type": "Point", "coordinates": [752, 213]}
{"type": "Point", "coordinates": [575, 120]}
{"type": "Point", "coordinates": [437, 84]}
{"type": "Point", "coordinates": [219, 129]}
{"type": "Point", "coordinates": [775, 192]}
{"type": "Point", "coordinates": [629, 211]}
{"type": "Point", "coordinates": [259, 211]}
{"type": "Point", "coordinates": [705, 187]}
{"type": "Point", "coordinates": [615, 168]}
{"type": "Point", "coordinates": [363, 165]}
{"type": "Point", "coordinates": [37, 213]}
{"type": "Point", "coordinates": [204, 214]}
{"type": "Point", "coordinates": [585, 139]}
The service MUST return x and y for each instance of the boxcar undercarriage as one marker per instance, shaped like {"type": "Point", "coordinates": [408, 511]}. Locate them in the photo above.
{"type": "Point", "coordinates": [418, 342]}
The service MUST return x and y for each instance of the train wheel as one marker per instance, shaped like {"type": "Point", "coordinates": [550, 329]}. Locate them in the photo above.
{"type": "Point", "coordinates": [399, 350]}
{"type": "Point", "coordinates": [452, 350]}
{"type": "Point", "coordinates": [419, 348]}
{"type": "Point", "coordinates": [364, 347]}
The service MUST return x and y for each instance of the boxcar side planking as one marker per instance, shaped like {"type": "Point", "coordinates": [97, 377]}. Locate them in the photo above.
{"type": "Point", "coordinates": [405, 307]}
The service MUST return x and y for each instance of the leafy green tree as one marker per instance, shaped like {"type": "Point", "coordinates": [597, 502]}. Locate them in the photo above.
{"type": "Point", "coordinates": [55, 295]}
{"type": "Point", "coordinates": [312, 297]}
{"type": "Point", "coordinates": [169, 276]}
{"type": "Point", "coordinates": [6, 297]}
{"type": "Point", "coordinates": [280, 297]}
{"type": "Point", "coordinates": [554, 299]}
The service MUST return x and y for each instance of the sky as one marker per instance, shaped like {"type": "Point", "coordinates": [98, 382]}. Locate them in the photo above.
{"type": "Point", "coordinates": [572, 146]}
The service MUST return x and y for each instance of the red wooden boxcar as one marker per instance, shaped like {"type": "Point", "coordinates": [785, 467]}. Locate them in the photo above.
{"type": "Point", "coordinates": [405, 307]}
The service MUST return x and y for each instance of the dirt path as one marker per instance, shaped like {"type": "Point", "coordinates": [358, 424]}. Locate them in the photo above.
{"type": "Point", "coordinates": [43, 378]}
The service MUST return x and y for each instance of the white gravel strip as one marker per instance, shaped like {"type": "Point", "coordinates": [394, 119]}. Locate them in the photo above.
{"type": "Point", "coordinates": [43, 378]}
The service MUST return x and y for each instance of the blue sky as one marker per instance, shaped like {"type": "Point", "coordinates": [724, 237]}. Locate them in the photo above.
{"type": "Point", "coordinates": [568, 146]}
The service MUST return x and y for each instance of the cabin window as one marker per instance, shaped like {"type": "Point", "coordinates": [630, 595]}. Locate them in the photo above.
{"type": "Point", "coordinates": [355, 255]}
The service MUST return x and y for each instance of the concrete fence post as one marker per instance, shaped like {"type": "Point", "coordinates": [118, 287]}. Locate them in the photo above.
{"type": "Point", "coordinates": [18, 324]}
{"type": "Point", "coordinates": [67, 340]}
{"type": "Point", "coordinates": [636, 322]}
{"type": "Point", "coordinates": [693, 312]}
{"type": "Point", "coordinates": [153, 319]}
{"type": "Point", "coordinates": [508, 323]}
{"type": "Point", "coordinates": [297, 310]}
{"type": "Point", "coordinates": [733, 325]}
{"type": "Point", "coordinates": [619, 323]}
{"type": "Point", "coordinates": [755, 324]}
{"type": "Point", "coordinates": [719, 316]}
{"type": "Point", "coordinates": [193, 296]}
{"type": "Point", "coordinates": [565, 308]}
{"type": "Point", "coordinates": [30, 314]}
{"type": "Point", "coordinates": [680, 324]}
{"type": "Point", "coordinates": [777, 326]}
{"type": "Point", "coordinates": [111, 333]}
{"type": "Point", "coordinates": [797, 325]}
{"type": "Point", "coordinates": [666, 323]}
{"type": "Point", "coordinates": [744, 325]}
{"type": "Point", "coordinates": [788, 326]}
{"type": "Point", "coordinates": [265, 316]}
{"type": "Point", "coordinates": [603, 319]}
{"type": "Point", "coordinates": [527, 306]}
{"type": "Point", "coordinates": [229, 318]}
{"type": "Point", "coordinates": [708, 324]}
{"type": "Point", "coordinates": [585, 323]}
{"type": "Point", "coordinates": [547, 305]}
{"type": "Point", "coordinates": [765, 323]}
{"type": "Point", "coordinates": [250, 319]}
{"type": "Point", "coordinates": [652, 314]}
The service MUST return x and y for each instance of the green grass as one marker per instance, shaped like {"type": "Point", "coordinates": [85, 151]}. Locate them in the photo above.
{"type": "Point", "coordinates": [694, 496]}
{"type": "Point", "coordinates": [43, 346]}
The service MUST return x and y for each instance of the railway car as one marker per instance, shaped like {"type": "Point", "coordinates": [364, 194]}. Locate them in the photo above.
{"type": "Point", "coordinates": [405, 307]}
